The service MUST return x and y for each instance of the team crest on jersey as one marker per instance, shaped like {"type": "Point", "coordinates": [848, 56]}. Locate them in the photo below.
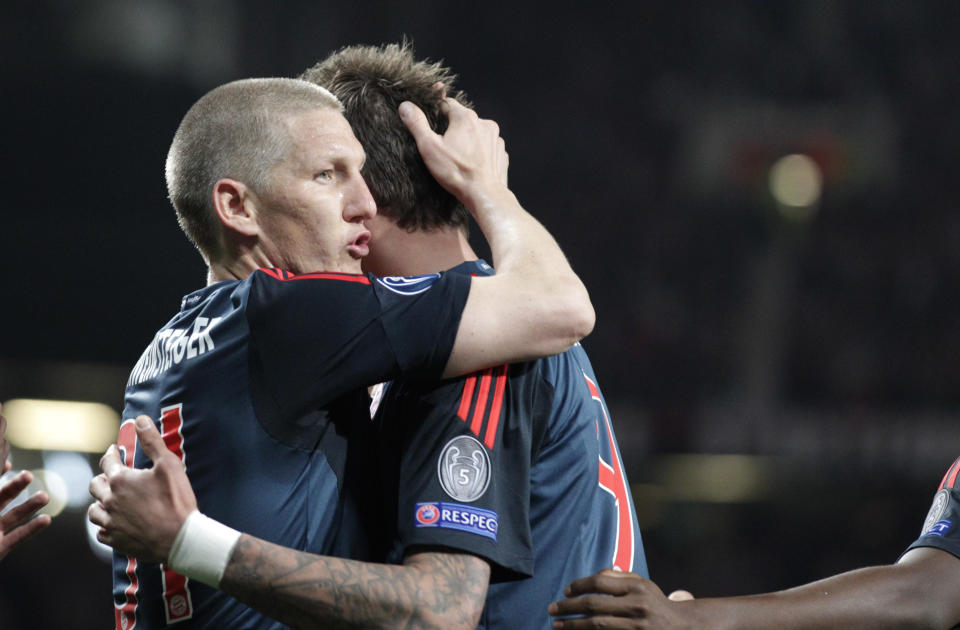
{"type": "Point", "coordinates": [464, 469]}
{"type": "Point", "coordinates": [464, 518]}
{"type": "Point", "coordinates": [409, 285]}
{"type": "Point", "coordinates": [935, 515]}
{"type": "Point", "coordinates": [427, 514]}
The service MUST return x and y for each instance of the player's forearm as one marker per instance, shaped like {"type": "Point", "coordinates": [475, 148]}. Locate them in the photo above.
{"type": "Point", "coordinates": [877, 598]}
{"type": "Point", "coordinates": [535, 306]}
{"type": "Point", "coordinates": [525, 252]}
{"type": "Point", "coordinates": [305, 590]}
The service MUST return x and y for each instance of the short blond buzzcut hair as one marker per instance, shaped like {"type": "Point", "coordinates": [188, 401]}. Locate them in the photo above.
{"type": "Point", "coordinates": [238, 131]}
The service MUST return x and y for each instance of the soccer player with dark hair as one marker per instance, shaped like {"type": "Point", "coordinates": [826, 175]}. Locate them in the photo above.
{"type": "Point", "coordinates": [502, 463]}
{"type": "Point", "coordinates": [259, 382]}
{"type": "Point", "coordinates": [920, 591]}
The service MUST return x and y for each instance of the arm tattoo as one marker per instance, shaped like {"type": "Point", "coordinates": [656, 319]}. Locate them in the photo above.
{"type": "Point", "coordinates": [430, 590]}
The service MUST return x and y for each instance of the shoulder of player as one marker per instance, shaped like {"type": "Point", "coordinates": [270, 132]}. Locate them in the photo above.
{"type": "Point", "coordinates": [269, 287]}
{"type": "Point", "coordinates": [951, 480]}
{"type": "Point", "coordinates": [515, 380]}
{"type": "Point", "coordinates": [572, 365]}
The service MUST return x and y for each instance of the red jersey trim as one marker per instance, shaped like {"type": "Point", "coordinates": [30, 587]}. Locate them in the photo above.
{"type": "Point", "coordinates": [285, 276]}
{"type": "Point", "coordinates": [468, 386]}
{"type": "Point", "coordinates": [481, 405]}
{"type": "Point", "coordinates": [950, 479]}
{"type": "Point", "coordinates": [177, 596]}
{"type": "Point", "coordinates": [490, 436]}
{"type": "Point", "coordinates": [491, 378]}
{"type": "Point", "coordinates": [125, 614]}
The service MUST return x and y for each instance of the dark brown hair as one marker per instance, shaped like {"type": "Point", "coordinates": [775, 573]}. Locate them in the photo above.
{"type": "Point", "coordinates": [371, 82]}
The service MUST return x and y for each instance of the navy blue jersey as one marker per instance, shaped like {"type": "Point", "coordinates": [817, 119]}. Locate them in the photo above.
{"type": "Point", "coordinates": [516, 464]}
{"type": "Point", "coordinates": [942, 526]}
{"type": "Point", "coordinates": [260, 387]}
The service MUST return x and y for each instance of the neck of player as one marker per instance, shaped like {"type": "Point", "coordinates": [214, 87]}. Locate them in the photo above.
{"type": "Point", "coordinates": [398, 252]}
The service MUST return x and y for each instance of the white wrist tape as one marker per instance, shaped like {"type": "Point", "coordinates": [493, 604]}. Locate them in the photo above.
{"type": "Point", "coordinates": [202, 549]}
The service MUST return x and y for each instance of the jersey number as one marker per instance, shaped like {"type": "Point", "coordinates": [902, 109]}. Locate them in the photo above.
{"type": "Point", "coordinates": [178, 604]}
{"type": "Point", "coordinates": [613, 481]}
{"type": "Point", "coordinates": [125, 617]}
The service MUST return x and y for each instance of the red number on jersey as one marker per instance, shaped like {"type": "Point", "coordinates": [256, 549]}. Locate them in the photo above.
{"type": "Point", "coordinates": [124, 616]}
{"type": "Point", "coordinates": [614, 481]}
{"type": "Point", "coordinates": [178, 604]}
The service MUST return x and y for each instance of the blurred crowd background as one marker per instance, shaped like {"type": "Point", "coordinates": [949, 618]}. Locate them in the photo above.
{"type": "Point", "coordinates": [782, 363]}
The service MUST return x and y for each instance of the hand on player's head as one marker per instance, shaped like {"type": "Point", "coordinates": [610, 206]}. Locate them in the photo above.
{"type": "Point", "coordinates": [469, 159]}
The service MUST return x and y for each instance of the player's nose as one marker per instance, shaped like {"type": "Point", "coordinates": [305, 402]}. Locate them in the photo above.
{"type": "Point", "coordinates": [359, 205]}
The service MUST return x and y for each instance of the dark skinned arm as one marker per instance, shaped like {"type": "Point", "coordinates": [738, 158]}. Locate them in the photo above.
{"type": "Point", "coordinates": [922, 590]}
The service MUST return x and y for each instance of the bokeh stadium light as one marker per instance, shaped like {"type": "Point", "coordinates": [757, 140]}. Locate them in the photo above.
{"type": "Point", "coordinates": [796, 183]}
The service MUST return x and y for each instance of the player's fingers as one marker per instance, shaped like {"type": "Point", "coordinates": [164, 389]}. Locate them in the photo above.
{"type": "Point", "coordinates": [20, 534]}
{"type": "Point", "coordinates": [492, 128]}
{"type": "Point", "coordinates": [100, 488]}
{"type": "Point", "coordinates": [607, 582]}
{"type": "Point", "coordinates": [429, 143]}
{"type": "Point", "coordinates": [97, 515]}
{"type": "Point", "coordinates": [110, 463]}
{"type": "Point", "coordinates": [455, 109]}
{"type": "Point", "coordinates": [586, 605]}
{"type": "Point", "coordinates": [150, 439]}
{"type": "Point", "coordinates": [416, 121]}
{"type": "Point", "coordinates": [14, 486]}
{"type": "Point", "coordinates": [680, 596]}
{"type": "Point", "coordinates": [24, 511]}
{"type": "Point", "coordinates": [7, 465]}
{"type": "Point", "coordinates": [104, 536]}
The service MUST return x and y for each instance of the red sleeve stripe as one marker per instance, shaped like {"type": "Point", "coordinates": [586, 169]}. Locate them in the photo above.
{"type": "Point", "coordinates": [492, 378]}
{"type": "Point", "coordinates": [950, 479]}
{"type": "Point", "coordinates": [481, 405]}
{"type": "Point", "coordinates": [468, 386]}
{"type": "Point", "coordinates": [284, 276]}
{"type": "Point", "coordinates": [490, 436]}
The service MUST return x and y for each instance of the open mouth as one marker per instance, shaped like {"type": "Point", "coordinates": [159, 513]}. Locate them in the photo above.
{"type": "Point", "coordinates": [360, 246]}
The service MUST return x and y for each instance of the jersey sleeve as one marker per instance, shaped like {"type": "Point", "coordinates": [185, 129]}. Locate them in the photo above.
{"type": "Point", "coordinates": [941, 529]}
{"type": "Point", "coordinates": [317, 336]}
{"type": "Point", "coordinates": [464, 453]}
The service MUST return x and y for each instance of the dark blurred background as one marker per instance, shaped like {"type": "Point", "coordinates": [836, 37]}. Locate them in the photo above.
{"type": "Point", "coordinates": [784, 376]}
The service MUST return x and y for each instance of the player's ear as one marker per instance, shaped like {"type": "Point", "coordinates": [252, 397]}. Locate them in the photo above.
{"type": "Point", "coordinates": [236, 206]}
